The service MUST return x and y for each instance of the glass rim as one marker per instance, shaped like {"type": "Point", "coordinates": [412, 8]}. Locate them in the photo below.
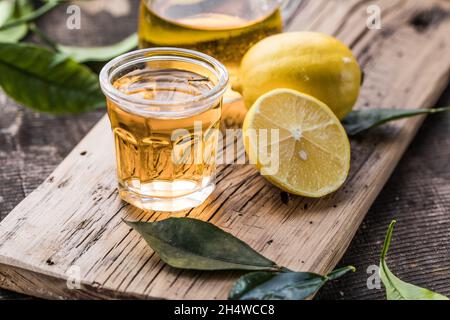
{"type": "Point", "coordinates": [140, 105]}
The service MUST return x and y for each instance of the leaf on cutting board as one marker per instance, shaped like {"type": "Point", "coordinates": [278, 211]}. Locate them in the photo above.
{"type": "Point", "coordinates": [281, 285]}
{"type": "Point", "coordinates": [361, 120]}
{"type": "Point", "coordinates": [12, 10]}
{"type": "Point", "coordinates": [194, 244]}
{"type": "Point", "coordinates": [47, 81]}
{"type": "Point", "coordinates": [99, 54]}
{"type": "Point", "coordinates": [397, 289]}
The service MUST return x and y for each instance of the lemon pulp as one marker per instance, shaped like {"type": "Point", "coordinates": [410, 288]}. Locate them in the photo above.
{"type": "Point", "coordinates": [310, 155]}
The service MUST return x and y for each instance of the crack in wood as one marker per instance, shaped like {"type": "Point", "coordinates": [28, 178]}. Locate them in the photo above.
{"type": "Point", "coordinates": [426, 19]}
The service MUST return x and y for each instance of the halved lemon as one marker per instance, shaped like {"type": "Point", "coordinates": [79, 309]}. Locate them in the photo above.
{"type": "Point", "coordinates": [297, 143]}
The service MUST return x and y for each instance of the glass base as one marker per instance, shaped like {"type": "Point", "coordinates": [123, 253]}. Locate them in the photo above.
{"type": "Point", "coordinates": [166, 204]}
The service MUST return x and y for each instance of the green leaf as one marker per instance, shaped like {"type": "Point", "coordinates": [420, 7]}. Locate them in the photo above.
{"type": "Point", "coordinates": [193, 244]}
{"type": "Point", "coordinates": [281, 285]}
{"type": "Point", "coordinates": [276, 286]}
{"type": "Point", "coordinates": [20, 9]}
{"type": "Point", "coordinates": [6, 11]}
{"type": "Point", "coordinates": [249, 282]}
{"type": "Point", "coordinates": [336, 274]}
{"type": "Point", "coordinates": [397, 289]}
{"type": "Point", "coordinates": [100, 54]}
{"type": "Point", "coordinates": [33, 15]}
{"type": "Point", "coordinates": [361, 120]}
{"type": "Point", "coordinates": [47, 81]}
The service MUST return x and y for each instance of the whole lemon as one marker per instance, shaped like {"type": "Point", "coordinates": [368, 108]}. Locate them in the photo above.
{"type": "Point", "coordinates": [309, 62]}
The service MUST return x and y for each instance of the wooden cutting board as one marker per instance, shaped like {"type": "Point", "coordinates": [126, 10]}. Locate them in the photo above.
{"type": "Point", "coordinates": [70, 227]}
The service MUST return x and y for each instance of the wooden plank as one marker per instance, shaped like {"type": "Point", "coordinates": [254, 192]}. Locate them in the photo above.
{"type": "Point", "coordinates": [72, 220]}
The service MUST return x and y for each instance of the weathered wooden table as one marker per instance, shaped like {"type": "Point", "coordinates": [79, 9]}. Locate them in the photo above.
{"type": "Point", "coordinates": [418, 194]}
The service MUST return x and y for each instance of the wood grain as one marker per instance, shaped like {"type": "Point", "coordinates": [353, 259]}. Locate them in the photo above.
{"type": "Point", "coordinates": [399, 72]}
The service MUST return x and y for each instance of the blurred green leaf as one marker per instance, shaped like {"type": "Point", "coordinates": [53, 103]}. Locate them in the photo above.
{"type": "Point", "coordinates": [32, 15]}
{"type": "Point", "coordinates": [20, 8]}
{"type": "Point", "coordinates": [6, 10]}
{"type": "Point", "coordinates": [99, 54]}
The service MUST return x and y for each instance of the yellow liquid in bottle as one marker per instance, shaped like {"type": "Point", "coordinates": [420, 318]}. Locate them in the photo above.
{"type": "Point", "coordinates": [224, 30]}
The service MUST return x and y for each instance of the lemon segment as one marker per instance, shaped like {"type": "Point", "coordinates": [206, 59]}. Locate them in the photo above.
{"type": "Point", "coordinates": [297, 143]}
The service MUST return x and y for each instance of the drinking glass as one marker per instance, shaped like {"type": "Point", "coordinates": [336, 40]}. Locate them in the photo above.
{"type": "Point", "coordinates": [164, 105]}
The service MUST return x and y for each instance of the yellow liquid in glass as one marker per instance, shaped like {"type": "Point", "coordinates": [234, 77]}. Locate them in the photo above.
{"type": "Point", "coordinates": [164, 158]}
